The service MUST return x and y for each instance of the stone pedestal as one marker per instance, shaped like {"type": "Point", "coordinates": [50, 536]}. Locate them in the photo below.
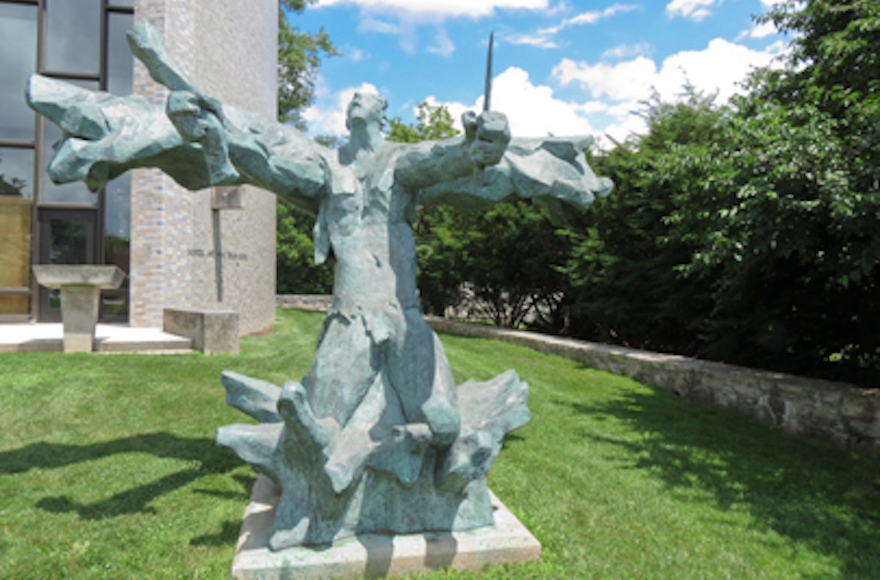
{"type": "Point", "coordinates": [79, 314]}
{"type": "Point", "coordinates": [375, 555]}
{"type": "Point", "coordinates": [80, 287]}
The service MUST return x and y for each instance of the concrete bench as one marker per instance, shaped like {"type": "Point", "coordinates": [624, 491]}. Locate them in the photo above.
{"type": "Point", "coordinates": [211, 331]}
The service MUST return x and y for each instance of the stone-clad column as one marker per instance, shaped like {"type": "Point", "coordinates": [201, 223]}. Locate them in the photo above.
{"type": "Point", "coordinates": [183, 252]}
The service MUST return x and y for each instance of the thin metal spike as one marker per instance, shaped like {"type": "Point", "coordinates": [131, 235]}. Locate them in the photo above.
{"type": "Point", "coordinates": [487, 101]}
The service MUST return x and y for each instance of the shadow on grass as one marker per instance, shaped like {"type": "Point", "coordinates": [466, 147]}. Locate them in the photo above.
{"type": "Point", "coordinates": [227, 535]}
{"type": "Point", "coordinates": [812, 494]}
{"type": "Point", "coordinates": [209, 458]}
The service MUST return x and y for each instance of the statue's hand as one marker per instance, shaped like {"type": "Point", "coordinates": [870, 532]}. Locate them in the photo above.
{"type": "Point", "coordinates": [488, 134]}
{"type": "Point", "coordinates": [194, 116]}
{"type": "Point", "coordinates": [199, 119]}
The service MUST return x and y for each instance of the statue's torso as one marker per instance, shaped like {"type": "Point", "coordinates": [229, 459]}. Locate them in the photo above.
{"type": "Point", "coordinates": [367, 217]}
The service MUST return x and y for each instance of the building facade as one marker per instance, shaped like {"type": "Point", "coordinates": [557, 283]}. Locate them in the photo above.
{"type": "Point", "coordinates": [211, 249]}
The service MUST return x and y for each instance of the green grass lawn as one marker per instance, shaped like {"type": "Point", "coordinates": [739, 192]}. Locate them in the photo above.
{"type": "Point", "coordinates": [108, 469]}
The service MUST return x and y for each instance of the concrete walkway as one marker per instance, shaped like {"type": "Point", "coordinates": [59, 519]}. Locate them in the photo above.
{"type": "Point", "coordinates": [108, 338]}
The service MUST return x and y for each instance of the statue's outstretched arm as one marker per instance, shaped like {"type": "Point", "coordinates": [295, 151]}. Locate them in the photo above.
{"type": "Point", "coordinates": [552, 171]}
{"type": "Point", "coordinates": [430, 163]}
{"type": "Point", "coordinates": [195, 140]}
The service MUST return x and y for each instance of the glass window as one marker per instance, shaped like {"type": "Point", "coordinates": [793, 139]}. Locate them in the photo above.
{"type": "Point", "coordinates": [114, 306]}
{"type": "Point", "coordinates": [122, 3]}
{"type": "Point", "coordinates": [16, 172]}
{"type": "Point", "coordinates": [120, 64]}
{"type": "Point", "coordinates": [68, 243]}
{"type": "Point", "coordinates": [73, 42]}
{"type": "Point", "coordinates": [18, 305]}
{"type": "Point", "coordinates": [18, 59]}
{"type": "Point", "coordinates": [117, 221]}
{"type": "Point", "coordinates": [15, 252]}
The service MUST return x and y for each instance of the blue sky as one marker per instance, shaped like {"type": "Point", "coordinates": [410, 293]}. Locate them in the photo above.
{"type": "Point", "coordinates": [561, 67]}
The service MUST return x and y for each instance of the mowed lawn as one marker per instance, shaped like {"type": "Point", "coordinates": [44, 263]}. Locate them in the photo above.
{"type": "Point", "coordinates": [108, 469]}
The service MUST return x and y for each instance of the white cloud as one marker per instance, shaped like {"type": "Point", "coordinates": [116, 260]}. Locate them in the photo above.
{"type": "Point", "coordinates": [625, 80]}
{"type": "Point", "coordinates": [537, 40]}
{"type": "Point", "coordinates": [762, 30]}
{"type": "Point", "coordinates": [597, 15]}
{"type": "Point", "coordinates": [370, 24]}
{"type": "Point", "coordinates": [719, 67]}
{"type": "Point", "coordinates": [627, 50]}
{"type": "Point", "coordinates": [452, 8]}
{"type": "Point", "coordinates": [696, 10]}
{"type": "Point", "coordinates": [405, 17]}
{"type": "Point", "coordinates": [532, 110]}
{"type": "Point", "coordinates": [777, 48]}
{"type": "Point", "coordinates": [543, 38]}
{"type": "Point", "coordinates": [621, 86]}
{"type": "Point", "coordinates": [354, 54]}
{"type": "Point", "coordinates": [327, 115]}
{"type": "Point", "coordinates": [443, 46]}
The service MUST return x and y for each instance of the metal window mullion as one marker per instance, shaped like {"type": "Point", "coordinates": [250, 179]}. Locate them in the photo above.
{"type": "Point", "coordinates": [120, 9]}
{"type": "Point", "coordinates": [38, 162]}
{"type": "Point", "coordinates": [103, 82]}
{"type": "Point", "coordinates": [103, 66]}
{"type": "Point", "coordinates": [76, 76]}
{"type": "Point", "coordinates": [17, 144]}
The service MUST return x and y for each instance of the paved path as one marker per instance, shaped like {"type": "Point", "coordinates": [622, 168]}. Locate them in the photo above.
{"type": "Point", "coordinates": [108, 338]}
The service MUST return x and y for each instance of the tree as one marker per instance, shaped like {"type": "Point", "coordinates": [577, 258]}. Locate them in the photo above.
{"type": "Point", "coordinates": [297, 272]}
{"type": "Point", "coordinates": [621, 273]}
{"type": "Point", "coordinates": [12, 186]}
{"type": "Point", "coordinates": [783, 207]}
{"type": "Point", "coordinates": [299, 56]}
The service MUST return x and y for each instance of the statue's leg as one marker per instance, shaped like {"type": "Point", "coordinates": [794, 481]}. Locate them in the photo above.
{"type": "Point", "coordinates": [344, 368]}
{"type": "Point", "coordinates": [421, 376]}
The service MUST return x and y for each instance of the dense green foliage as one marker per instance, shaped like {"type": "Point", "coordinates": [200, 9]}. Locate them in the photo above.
{"type": "Point", "coordinates": [108, 470]}
{"type": "Point", "coordinates": [622, 279]}
{"type": "Point", "coordinates": [294, 256]}
{"type": "Point", "coordinates": [783, 207]}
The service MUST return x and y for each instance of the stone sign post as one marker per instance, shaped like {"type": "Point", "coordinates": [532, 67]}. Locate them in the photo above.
{"type": "Point", "coordinates": [80, 286]}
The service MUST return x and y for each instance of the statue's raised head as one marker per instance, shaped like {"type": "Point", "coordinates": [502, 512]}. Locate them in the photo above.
{"type": "Point", "coordinates": [366, 106]}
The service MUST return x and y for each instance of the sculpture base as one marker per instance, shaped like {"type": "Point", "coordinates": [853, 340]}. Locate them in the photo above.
{"type": "Point", "coordinates": [375, 555]}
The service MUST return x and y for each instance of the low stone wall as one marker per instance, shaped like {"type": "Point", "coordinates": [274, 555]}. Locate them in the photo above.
{"type": "Point", "coordinates": [820, 410]}
{"type": "Point", "coordinates": [317, 302]}
{"type": "Point", "coordinates": [839, 413]}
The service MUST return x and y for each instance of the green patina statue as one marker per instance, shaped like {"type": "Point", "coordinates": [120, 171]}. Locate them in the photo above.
{"type": "Point", "coordinates": [377, 437]}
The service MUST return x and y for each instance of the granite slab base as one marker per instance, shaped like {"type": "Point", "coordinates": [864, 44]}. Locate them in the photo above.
{"type": "Point", "coordinates": [375, 555]}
